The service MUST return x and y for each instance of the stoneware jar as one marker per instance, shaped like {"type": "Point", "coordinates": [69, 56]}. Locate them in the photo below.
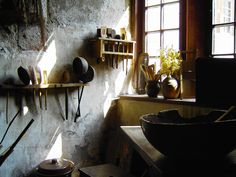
{"type": "Point", "coordinates": [152, 88]}
{"type": "Point", "coordinates": [170, 87]}
{"type": "Point", "coordinates": [55, 168]}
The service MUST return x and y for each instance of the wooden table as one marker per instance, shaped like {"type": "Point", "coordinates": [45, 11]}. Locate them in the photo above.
{"type": "Point", "coordinates": [164, 167]}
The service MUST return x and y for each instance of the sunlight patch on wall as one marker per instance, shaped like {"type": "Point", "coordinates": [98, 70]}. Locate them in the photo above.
{"type": "Point", "coordinates": [106, 88]}
{"type": "Point", "coordinates": [107, 104]}
{"type": "Point", "coordinates": [119, 82]}
{"type": "Point", "coordinates": [56, 149]}
{"type": "Point", "coordinates": [47, 58]}
{"type": "Point", "coordinates": [124, 23]}
{"type": "Point", "coordinates": [123, 82]}
{"type": "Point", "coordinates": [25, 110]}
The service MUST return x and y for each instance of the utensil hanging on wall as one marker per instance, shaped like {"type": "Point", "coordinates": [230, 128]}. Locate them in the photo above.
{"type": "Point", "coordinates": [23, 75]}
{"type": "Point", "coordinates": [88, 76]}
{"type": "Point", "coordinates": [66, 102]}
{"type": "Point", "coordinates": [80, 93]}
{"type": "Point", "coordinates": [80, 66]}
{"type": "Point", "coordinates": [10, 125]}
{"type": "Point", "coordinates": [10, 149]}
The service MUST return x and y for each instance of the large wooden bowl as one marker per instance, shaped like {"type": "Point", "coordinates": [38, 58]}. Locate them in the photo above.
{"type": "Point", "coordinates": [190, 138]}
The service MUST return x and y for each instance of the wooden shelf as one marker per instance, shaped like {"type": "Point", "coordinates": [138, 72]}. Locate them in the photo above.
{"type": "Point", "coordinates": [115, 47]}
{"type": "Point", "coordinates": [43, 86]}
{"type": "Point", "coordinates": [117, 53]}
{"type": "Point", "coordinates": [42, 90]}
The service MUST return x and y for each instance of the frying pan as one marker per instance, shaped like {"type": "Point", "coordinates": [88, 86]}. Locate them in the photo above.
{"type": "Point", "coordinates": [88, 76]}
{"type": "Point", "coordinates": [80, 65]}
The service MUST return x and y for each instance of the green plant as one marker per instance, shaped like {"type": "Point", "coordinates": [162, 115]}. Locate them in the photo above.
{"type": "Point", "coordinates": [170, 61]}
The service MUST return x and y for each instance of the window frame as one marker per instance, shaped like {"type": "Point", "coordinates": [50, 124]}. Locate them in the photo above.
{"type": "Point", "coordinates": [138, 29]}
{"type": "Point", "coordinates": [161, 29]}
{"type": "Point", "coordinates": [225, 24]}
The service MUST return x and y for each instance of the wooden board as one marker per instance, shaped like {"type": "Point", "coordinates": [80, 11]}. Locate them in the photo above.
{"type": "Point", "coordinates": [104, 170]}
{"type": "Point", "coordinates": [167, 168]}
{"type": "Point", "coordinates": [139, 142]}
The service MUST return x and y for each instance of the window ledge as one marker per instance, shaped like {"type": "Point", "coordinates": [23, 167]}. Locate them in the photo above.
{"type": "Point", "coordinates": [160, 99]}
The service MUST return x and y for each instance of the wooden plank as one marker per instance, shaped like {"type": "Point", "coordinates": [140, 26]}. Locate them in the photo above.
{"type": "Point", "coordinates": [116, 40]}
{"type": "Point", "coordinates": [43, 86]}
{"type": "Point", "coordinates": [139, 142]}
{"type": "Point", "coordinates": [165, 167]}
{"type": "Point", "coordinates": [117, 53]}
{"type": "Point", "coordinates": [103, 170]}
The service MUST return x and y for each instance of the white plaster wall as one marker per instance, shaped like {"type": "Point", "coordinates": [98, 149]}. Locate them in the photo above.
{"type": "Point", "coordinates": [70, 24]}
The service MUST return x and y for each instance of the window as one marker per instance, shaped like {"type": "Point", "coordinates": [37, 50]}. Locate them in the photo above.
{"type": "Point", "coordinates": [161, 26]}
{"type": "Point", "coordinates": [185, 25]}
{"type": "Point", "coordinates": [223, 28]}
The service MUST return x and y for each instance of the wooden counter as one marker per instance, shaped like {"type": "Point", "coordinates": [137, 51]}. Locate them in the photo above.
{"type": "Point", "coordinates": [164, 167]}
{"type": "Point", "coordinates": [138, 141]}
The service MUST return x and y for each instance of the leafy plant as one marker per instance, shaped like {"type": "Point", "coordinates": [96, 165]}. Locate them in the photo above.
{"type": "Point", "coordinates": [170, 60]}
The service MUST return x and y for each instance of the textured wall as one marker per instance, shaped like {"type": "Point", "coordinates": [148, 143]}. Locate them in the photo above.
{"type": "Point", "coordinates": [130, 115]}
{"type": "Point", "coordinates": [68, 26]}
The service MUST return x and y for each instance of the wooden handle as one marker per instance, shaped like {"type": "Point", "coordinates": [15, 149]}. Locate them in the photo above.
{"type": "Point", "coordinates": [230, 110]}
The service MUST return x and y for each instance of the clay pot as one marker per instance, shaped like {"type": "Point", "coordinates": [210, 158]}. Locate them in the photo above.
{"type": "Point", "coordinates": [55, 168]}
{"type": "Point", "coordinates": [170, 87]}
{"type": "Point", "coordinates": [66, 76]}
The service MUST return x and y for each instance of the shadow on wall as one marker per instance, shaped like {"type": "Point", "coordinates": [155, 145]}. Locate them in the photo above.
{"type": "Point", "coordinates": [110, 130]}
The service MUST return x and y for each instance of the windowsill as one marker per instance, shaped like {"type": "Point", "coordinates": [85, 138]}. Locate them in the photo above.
{"type": "Point", "coordinates": [161, 99]}
{"type": "Point", "coordinates": [144, 97]}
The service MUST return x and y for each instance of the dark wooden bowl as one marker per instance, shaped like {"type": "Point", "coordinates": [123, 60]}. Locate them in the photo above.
{"type": "Point", "coordinates": [194, 138]}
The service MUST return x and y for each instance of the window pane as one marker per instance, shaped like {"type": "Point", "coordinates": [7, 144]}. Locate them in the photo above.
{"type": "Point", "coordinates": [152, 2]}
{"type": "Point", "coordinates": [224, 56]}
{"type": "Point", "coordinates": [165, 1]}
{"type": "Point", "coordinates": [152, 43]}
{"type": "Point", "coordinates": [152, 19]}
{"type": "Point", "coordinates": [171, 16]}
{"type": "Point", "coordinates": [156, 62]}
{"type": "Point", "coordinates": [223, 40]}
{"type": "Point", "coordinates": [171, 39]}
{"type": "Point", "coordinates": [223, 11]}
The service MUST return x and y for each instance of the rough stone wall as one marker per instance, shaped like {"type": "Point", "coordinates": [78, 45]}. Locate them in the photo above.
{"type": "Point", "coordinates": [68, 25]}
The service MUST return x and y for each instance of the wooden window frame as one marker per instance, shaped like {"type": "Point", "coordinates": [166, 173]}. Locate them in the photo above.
{"type": "Point", "coordinates": [225, 24]}
{"type": "Point", "coordinates": [163, 30]}
{"type": "Point", "coordinates": [138, 21]}
{"type": "Point", "coordinates": [195, 27]}
{"type": "Point", "coordinates": [140, 26]}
